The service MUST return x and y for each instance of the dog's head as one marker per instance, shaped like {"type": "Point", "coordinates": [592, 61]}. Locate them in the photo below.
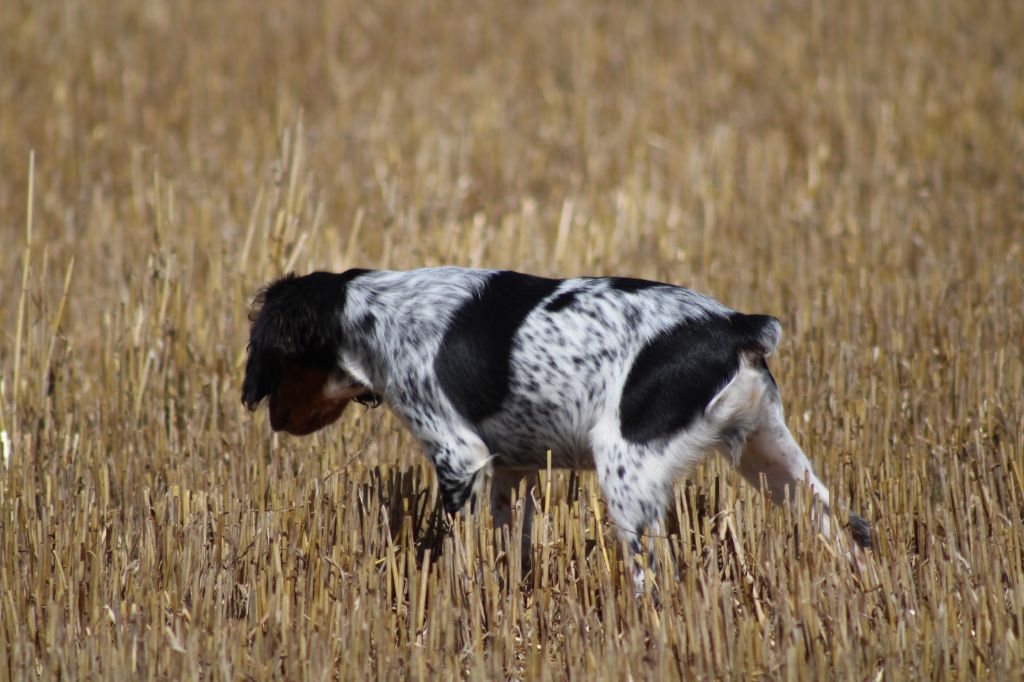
{"type": "Point", "coordinates": [295, 338]}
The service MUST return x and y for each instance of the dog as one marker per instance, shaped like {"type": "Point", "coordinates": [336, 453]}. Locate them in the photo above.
{"type": "Point", "coordinates": [493, 369]}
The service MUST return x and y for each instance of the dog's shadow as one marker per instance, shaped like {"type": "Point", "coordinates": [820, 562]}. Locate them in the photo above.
{"type": "Point", "coordinates": [401, 500]}
{"type": "Point", "coordinates": [400, 508]}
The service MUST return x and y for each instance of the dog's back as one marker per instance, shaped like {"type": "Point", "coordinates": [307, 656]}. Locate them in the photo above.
{"type": "Point", "coordinates": [533, 363]}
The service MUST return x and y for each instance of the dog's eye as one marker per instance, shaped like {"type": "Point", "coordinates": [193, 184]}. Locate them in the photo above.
{"type": "Point", "coordinates": [369, 399]}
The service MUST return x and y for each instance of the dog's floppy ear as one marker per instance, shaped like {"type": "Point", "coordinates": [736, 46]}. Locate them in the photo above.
{"type": "Point", "coordinates": [263, 370]}
{"type": "Point", "coordinates": [297, 318]}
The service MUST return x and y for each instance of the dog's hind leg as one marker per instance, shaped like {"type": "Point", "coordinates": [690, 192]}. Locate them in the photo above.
{"type": "Point", "coordinates": [771, 451]}
{"type": "Point", "coordinates": [636, 483]}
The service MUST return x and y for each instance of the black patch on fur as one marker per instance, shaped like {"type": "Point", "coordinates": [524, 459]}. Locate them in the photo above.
{"type": "Point", "coordinates": [631, 284]}
{"type": "Point", "coordinates": [297, 318]}
{"type": "Point", "coordinates": [680, 371]}
{"type": "Point", "coordinates": [755, 332]}
{"type": "Point", "coordinates": [860, 529]}
{"type": "Point", "coordinates": [473, 367]}
{"type": "Point", "coordinates": [366, 324]}
{"type": "Point", "coordinates": [562, 301]}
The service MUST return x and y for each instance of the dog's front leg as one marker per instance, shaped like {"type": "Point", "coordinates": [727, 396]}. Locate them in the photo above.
{"type": "Point", "coordinates": [459, 462]}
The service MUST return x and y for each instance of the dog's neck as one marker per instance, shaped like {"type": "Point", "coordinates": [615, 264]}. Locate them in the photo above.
{"type": "Point", "coordinates": [393, 321]}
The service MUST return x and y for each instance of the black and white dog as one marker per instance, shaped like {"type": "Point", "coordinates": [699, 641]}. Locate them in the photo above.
{"type": "Point", "coordinates": [492, 369]}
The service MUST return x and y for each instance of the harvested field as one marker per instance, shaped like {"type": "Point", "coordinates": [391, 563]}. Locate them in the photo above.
{"type": "Point", "coordinates": [853, 168]}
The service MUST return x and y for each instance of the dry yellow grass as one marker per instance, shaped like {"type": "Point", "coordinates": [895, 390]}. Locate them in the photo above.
{"type": "Point", "coordinates": [855, 168]}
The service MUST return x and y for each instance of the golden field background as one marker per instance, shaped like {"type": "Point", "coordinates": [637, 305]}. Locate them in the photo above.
{"type": "Point", "coordinates": [854, 168]}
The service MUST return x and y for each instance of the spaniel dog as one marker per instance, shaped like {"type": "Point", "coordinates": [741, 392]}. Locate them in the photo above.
{"type": "Point", "coordinates": [492, 370]}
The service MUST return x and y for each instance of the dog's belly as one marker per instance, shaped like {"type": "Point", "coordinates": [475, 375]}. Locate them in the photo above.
{"type": "Point", "coordinates": [520, 456]}
{"type": "Point", "coordinates": [522, 434]}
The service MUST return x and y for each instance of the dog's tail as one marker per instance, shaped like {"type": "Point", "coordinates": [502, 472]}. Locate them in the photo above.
{"type": "Point", "coordinates": [758, 335]}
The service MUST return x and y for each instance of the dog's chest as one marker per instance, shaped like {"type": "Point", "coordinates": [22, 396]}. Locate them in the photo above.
{"type": "Point", "coordinates": [521, 439]}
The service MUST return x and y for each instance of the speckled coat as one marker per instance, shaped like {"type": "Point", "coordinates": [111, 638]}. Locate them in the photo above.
{"type": "Point", "coordinates": [492, 369]}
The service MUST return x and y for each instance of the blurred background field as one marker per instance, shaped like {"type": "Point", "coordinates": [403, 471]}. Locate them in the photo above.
{"type": "Point", "coordinates": [854, 168]}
